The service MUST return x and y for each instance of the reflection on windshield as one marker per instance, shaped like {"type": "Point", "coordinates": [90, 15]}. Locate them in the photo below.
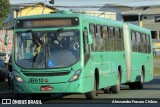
{"type": "Point", "coordinates": [49, 49]}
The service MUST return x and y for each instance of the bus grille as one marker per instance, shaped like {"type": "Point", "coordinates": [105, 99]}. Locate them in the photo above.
{"type": "Point", "coordinates": [46, 74]}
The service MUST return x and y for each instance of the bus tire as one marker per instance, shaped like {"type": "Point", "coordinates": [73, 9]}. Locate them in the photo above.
{"type": "Point", "coordinates": [92, 94]}
{"type": "Point", "coordinates": [132, 86]}
{"type": "Point", "coordinates": [154, 53]}
{"type": "Point", "coordinates": [140, 84]}
{"type": "Point", "coordinates": [116, 88]}
{"type": "Point", "coordinates": [106, 90]}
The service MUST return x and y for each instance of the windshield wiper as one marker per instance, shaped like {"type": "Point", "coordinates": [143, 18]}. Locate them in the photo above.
{"type": "Point", "coordinates": [38, 45]}
{"type": "Point", "coordinates": [36, 41]}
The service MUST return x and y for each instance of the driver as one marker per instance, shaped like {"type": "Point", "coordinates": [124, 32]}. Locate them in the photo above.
{"type": "Point", "coordinates": [74, 48]}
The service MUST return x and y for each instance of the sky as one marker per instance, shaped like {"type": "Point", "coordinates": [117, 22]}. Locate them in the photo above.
{"type": "Point", "coordinates": [90, 3]}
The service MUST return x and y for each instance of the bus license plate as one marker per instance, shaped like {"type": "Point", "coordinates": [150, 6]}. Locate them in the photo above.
{"type": "Point", "coordinates": [36, 80]}
{"type": "Point", "coordinates": [46, 88]}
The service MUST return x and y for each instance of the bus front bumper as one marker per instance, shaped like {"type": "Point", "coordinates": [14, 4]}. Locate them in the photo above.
{"type": "Point", "coordinates": [67, 87]}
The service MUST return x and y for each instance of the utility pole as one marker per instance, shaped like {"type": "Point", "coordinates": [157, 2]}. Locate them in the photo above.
{"type": "Point", "coordinates": [140, 15]}
{"type": "Point", "coordinates": [50, 2]}
{"type": "Point", "coordinates": [44, 7]}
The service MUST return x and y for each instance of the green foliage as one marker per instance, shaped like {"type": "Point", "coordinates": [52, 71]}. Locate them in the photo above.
{"type": "Point", "coordinates": [4, 10]}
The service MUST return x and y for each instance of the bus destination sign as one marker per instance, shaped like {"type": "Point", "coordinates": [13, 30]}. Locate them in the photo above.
{"type": "Point", "coordinates": [44, 23]}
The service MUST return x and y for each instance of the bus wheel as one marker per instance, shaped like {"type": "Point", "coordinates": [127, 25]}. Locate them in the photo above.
{"type": "Point", "coordinates": [106, 90]}
{"type": "Point", "coordinates": [140, 84]}
{"type": "Point", "coordinates": [92, 94]}
{"type": "Point", "coordinates": [116, 88]}
{"type": "Point", "coordinates": [132, 85]}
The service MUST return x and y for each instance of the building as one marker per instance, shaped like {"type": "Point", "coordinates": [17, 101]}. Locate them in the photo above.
{"type": "Point", "coordinates": [102, 14]}
{"type": "Point", "coordinates": [20, 10]}
{"type": "Point", "coordinates": [105, 11]}
{"type": "Point", "coordinates": [109, 9]}
{"type": "Point", "coordinates": [144, 16]}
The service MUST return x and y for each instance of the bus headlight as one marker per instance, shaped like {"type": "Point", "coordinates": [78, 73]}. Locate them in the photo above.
{"type": "Point", "coordinates": [75, 76]}
{"type": "Point", "coordinates": [17, 76]}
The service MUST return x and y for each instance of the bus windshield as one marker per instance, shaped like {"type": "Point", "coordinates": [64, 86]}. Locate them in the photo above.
{"type": "Point", "coordinates": [47, 49]}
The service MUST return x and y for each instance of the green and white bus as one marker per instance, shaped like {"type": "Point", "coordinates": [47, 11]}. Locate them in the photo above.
{"type": "Point", "coordinates": [75, 53]}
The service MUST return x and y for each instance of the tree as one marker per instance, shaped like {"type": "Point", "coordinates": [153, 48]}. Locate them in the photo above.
{"type": "Point", "coordinates": [4, 10]}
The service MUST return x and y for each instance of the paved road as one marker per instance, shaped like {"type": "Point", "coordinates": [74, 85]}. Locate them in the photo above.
{"type": "Point", "coordinates": [151, 90]}
{"type": "Point", "coordinates": [156, 63]}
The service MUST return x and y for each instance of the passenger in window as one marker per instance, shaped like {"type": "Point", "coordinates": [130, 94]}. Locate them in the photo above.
{"type": "Point", "coordinates": [119, 34]}
{"type": "Point", "coordinates": [106, 40]}
{"type": "Point", "coordinates": [105, 34]}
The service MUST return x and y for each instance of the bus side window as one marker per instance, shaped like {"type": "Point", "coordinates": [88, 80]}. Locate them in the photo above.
{"type": "Point", "coordinates": [86, 47]}
{"type": "Point", "coordinates": [112, 38]}
{"type": "Point", "coordinates": [93, 32]}
{"type": "Point", "coordinates": [102, 39]}
{"type": "Point", "coordinates": [133, 39]}
{"type": "Point", "coordinates": [106, 38]}
{"type": "Point", "coordinates": [121, 37]}
{"type": "Point", "coordinates": [118, 39]}
{"type": "Point", "coordinates": [111, 32]}
{"type": "Point", "coordinates": [138, 42]}
{"type": "Point", "coordinates": [99, 40]}
{"type": "Point", "coordinates": [86, 50]}
{"type": "Point", "coordinates": [148, 44]}
{"type": "Point", "coordinates": [105, 32]}
{"type": "Point", "coordinates": [144, 43]}
{"type": "Point", "coordinates": [141, 43]}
